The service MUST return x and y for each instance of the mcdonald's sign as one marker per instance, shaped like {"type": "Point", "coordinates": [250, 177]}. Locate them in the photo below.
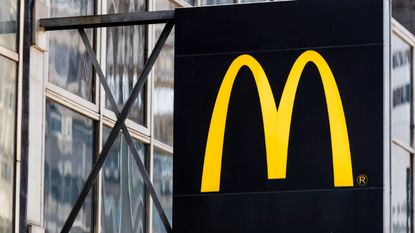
{"type": "Point", "coordinates": [277, 123]}
{"type": "Point", "coordinates": [279, 118]}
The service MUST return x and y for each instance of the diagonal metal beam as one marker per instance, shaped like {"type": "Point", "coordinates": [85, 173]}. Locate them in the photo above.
{"type": "Point", "coordinates": [125, 131]}
{"type": "Point", "coordinates": [115, 131]}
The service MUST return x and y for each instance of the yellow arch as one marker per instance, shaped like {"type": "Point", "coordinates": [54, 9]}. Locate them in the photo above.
{"type": "Point", "coordinates": [213, 154]}
{"type": "Point", "coordinates": [277, 123]}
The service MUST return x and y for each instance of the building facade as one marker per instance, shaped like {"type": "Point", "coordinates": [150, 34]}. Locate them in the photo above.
{"type": "Point", "coordinates": [54, 118]}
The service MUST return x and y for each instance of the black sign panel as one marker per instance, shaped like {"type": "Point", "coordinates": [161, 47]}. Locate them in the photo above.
{"type": "Point", "coordinates": [278, 123]}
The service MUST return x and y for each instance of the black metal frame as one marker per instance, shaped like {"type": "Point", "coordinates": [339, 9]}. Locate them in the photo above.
{"type": "Point", "coordinates": [110, 20]}
{"type": "Point", "coordinates": [80, 23]}
{"type": "Point", "coordinates": [24, 136]}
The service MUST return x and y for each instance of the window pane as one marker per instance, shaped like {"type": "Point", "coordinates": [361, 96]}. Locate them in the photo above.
{"type": "Point", "coordinates": [125, 58]}
{"type": "Point", "coordinates": [8, 23]}
{"type": "Point", "coordinates": [191, 2]}
{"type": "Point", "coordinates": [215, 2]}
{"type": "Point", "coordinates": [164, 83]}
{"type": "Point", "coordinates": [69, 151]}
{"type": "Point", "coordinates": [401, 86]}
{"type": "Point", "coordinates": [245, 1]}
{"type": "Point", "coordinates": [164, 5]}
{"type": "Point", "coordinates": [69, 65]}
{"type": "Point", "coordinates": [7, 128]}
{"type": "Point", "coordinates": [403, 11]}
{"type": "Point", "coordinates": [164, 91]}
{"type": "Point", "coordinates": [401, 190]}
{"type": "Point", "coordinates": [163, 184]}
{"type": "Point", "coordinates": [123, 197]}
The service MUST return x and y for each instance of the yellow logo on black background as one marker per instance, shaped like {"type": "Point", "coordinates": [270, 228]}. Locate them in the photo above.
{"type": "Point", "coordinates": [277, 123]}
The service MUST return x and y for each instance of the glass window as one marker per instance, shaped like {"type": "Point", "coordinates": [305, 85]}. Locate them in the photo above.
{"type": "Point", "coordinates": [401, 190]}
{"type": "Point", "coordinates": [246, 1]}
{"type": "Point", "coordinates": [7, 141]}
{"type": "Point", "coordinates": [191, 2]}
{"type": "Point", "coordinates": [69, 65]}
{"type": "Point", "coordinates": [123, 197]}
{"type": "Point", "coordinates": [8, 23]}
{"type": "Point", "coordinates": [216, 2]}
{"type": "Point", "coordinates": [163, 5]}
{"type": "Point", "coordinates": [69, 152]}
{"type": "Point", "coordinates": [401, 89]}
{"type": "Point", "coordinates": [164, 84]}
{"type": "Point", "coordinates": [163, 184]}
{"type": "Point", "coordinates": [403, 12]}
{"type": "Point", "coordinates": [125, 58]}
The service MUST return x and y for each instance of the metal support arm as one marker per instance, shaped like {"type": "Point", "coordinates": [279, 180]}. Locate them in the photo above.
{"type": "Point", "coordinates": [111, 20]}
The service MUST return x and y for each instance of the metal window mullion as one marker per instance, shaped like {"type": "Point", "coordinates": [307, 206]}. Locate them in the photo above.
{"type": "Point", "coordinates": [12, 55]}
{"type": "Point", "coordinates": [412, 137]}
{"type": "Point", "coordinates": [80, 107]}
{"type": "Point", "coordinates": [98, 216]}
{"type": "Point", "coordinates": [163, 146]}
{"type": "Point", "coordinates": [135, 134]}
{"type": "Point", "coordinates": [403, 145]}
{"type": "Point", "coordinates": [132, 125]}
{"type": "Point", "coordinates": [100, 101]}
{"type": "Point", "coordinates": [412, 124]}
{"type": "Point", "coordinates": [150, 44]}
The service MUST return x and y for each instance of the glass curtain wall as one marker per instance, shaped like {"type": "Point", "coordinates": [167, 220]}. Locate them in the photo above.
{"type": "Point", "coordinates": [69, 153]}
{"type": "Point", "coordinates": [163, 99]}
{"type": "Point", "coordinates": [8, 24]}
{"type": "Point", "coordinates": [69, 66]}
{"type": "Point", "coordinates": [70, 135]}
{"type": "Point", "coordinates": [8, 78]}
{"type": "Point", "coordinates": [123, 196]}
{"type": "Point", "coordinates": [402, 134]}
{"type": "Point", "coordinates": [125, 57]}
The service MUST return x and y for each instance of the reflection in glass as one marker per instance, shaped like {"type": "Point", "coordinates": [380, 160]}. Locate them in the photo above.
{"type": "Point", "coordinates": [163, 184]}
{"type": "Point", "coordinates": [191, 2]}
{"type": "Point", "coordinates": [123, 197]}
{"type": "Point", "coordinates": [401, 191]}
{"type": "Point", "coordinates": [215, 2]}
{"type": "Point", "coordinates": [69, 65]}
{"type": "Point", "coordinates": [7, 128]}
{"type": "Point", "coordinates": [246, 1]}
{"type": "Point", "coordinates": [161, 5]}
{"type": "Point", "coordinates": [8, 23]}
{"type": "Point", "coordinates": [401, 89]}
{"type": "Point", "coordinates": [125, 58]}
{"type": "Point", "coordinates": [164, 84]}
{"type": "Point", "coordinates": [69, 150]}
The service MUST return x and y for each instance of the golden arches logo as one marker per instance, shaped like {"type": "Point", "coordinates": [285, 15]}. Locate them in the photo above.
{"type": "Point", "coordinates": [277, 123]}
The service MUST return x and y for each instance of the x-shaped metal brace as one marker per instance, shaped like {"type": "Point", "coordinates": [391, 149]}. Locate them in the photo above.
{"type": "Point", "coordinates": [120, 125]}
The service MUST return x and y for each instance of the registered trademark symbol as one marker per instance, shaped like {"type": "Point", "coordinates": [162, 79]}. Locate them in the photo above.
{"type": "Point", "coordinates": [362, 180]}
